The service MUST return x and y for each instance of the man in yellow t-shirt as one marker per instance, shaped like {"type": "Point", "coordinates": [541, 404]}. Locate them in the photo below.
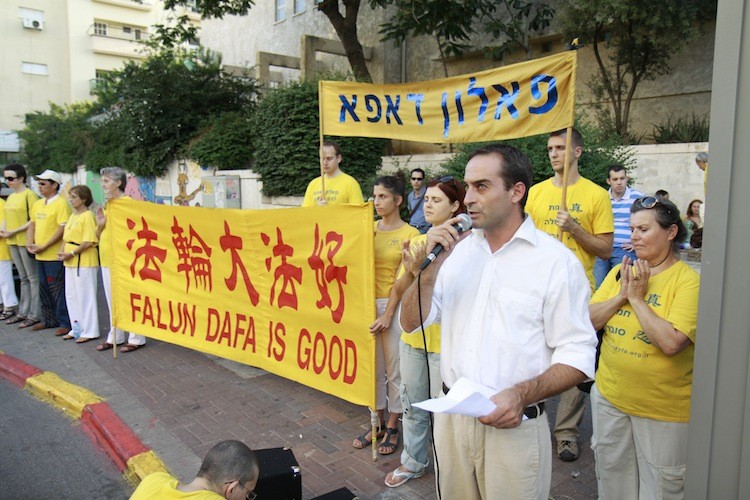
{"type": "Point", "coordinates": [47, 223]}
{"type": "Point", "coordinates": [229, 470]}
{"type": "Point", "coordinates": [341, 188]}
{"type": "Point", "coordinates": [588, 231]}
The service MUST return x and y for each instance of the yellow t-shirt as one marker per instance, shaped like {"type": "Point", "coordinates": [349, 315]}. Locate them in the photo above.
{"type": "Point", "coordinates": [432, 332]}
{"type": "Point", "coordinates": [636, 376]}
{"type": "Point", "coordinates": [588, 204]}
{"type": "Point", "coordinates": [104, 243]}
{"type": "Point", "coordinates": [17, 212]}
{"type": "Point", "coordinates": [162, 486]}
{"type": "Point", "coordinates": [4, 251]}
{"type": "Point", "coordinates": [388, 245]}
{"type": "Point", "coordinates": [48, 217]}
{"type": "Point", "coordinates": [80, 228]}
{"type": "Point", "coordinates": [340, 190]}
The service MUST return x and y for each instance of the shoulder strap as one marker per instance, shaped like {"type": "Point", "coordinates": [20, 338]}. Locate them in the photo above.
{"type": "Point", "coordinates": [416, 207]}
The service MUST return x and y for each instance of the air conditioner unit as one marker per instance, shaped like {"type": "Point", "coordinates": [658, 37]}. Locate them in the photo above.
{"type": "Point", "coordinates": [33, 24]}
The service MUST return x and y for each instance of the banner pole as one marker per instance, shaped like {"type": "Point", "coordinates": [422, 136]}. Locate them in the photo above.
{"type": "Point", "coordinates": [566, 170]}
{"type": "Point", "coordinates": [320, 141]}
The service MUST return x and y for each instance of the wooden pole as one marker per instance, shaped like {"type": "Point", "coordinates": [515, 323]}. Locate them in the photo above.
{"type": "Point", "coordinates": [566, 170]}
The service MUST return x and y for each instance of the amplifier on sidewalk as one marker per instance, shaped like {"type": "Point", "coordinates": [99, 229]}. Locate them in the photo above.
{"type": "Point", "coordinates": [280, 477]}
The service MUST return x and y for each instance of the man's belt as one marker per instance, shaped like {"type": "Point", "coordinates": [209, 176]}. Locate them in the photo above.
{"type": "Point", "coordinates": [531, 411]}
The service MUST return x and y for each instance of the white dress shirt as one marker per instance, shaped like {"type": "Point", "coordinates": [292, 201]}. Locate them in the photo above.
{"type": "Point", "coordinates": [506, 317]}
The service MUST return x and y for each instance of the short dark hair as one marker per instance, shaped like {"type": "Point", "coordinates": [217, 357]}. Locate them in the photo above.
{"type": "Point", "coordinates": [666, 213]}
{"type": "Point", "coordinates": [420, 171]}
{"type": "Point", "coordinates": [576, 139]}
{"type": "Point", "coordinates": [19, 169]}
{"type": "Point", "coordinates": [229, 461]}
{"type": "Point", "coordinates": [661, 193]}
{"type": "Point", "coordinates": [84, 193]}
{"type": "Point", "coordinates": [616, 168]}
{"type": "Point", "coordinates": [333, 145]}
{"type": "Point", "coordinates": [515, 166]}
{"type": "Point", "coordinates": [393, 183]}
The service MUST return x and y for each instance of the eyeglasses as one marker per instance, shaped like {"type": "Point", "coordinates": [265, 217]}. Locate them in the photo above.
{"type": "Point", "coordinates": [648, 201]}
{"type": "Point", "coordinates": [446, 178]}
{"type": "Point", "coordinates": [9, 178]}
{"type": "Point", "coordinates": [417, 178]}
{"type": "Point", "coordinates": [251, 495]}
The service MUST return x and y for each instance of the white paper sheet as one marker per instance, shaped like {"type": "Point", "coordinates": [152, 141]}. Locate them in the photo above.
{"type": "Point", "coordinates": [464, 398]}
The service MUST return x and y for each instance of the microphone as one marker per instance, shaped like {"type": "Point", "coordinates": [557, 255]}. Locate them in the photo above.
{"type": "Point", "coordinates": [462, 225]}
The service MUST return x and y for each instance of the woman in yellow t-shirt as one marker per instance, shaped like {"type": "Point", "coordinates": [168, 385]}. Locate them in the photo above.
{"type": "Point", "coordinates": [7, 286]}
{"type": "Point", "coordinates": [640, 402]}
{"type": "Point", "coordinates": [13, 229]}
{"type": "Point", "coordinates": [81, 259]}
{"type": "Point", "coordinates": [391, 232]}
{"type": "Point", "coordinates": [419, 356]}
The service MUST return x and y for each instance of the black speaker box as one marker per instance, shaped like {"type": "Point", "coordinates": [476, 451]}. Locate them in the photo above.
{"type": "Point", "coordinates": [339, 494]}
{"type": "Point", "coordinates": [280, 477]}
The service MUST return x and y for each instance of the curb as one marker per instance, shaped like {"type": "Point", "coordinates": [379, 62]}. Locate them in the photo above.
{"type": "Point", "coordinates": [134, 459]}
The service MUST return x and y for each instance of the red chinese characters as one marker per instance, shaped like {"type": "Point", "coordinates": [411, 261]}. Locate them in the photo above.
{"type": "Point", "coordinates": [327, 273]}
{"type": "Point", "coordinates": [193, 256]}
{"type": "Point", "coordinates": [149, 252]}
{"type": "Point", "coordinates": [288, 273]}
{"type": "Point", "coordinates": [233, 244]}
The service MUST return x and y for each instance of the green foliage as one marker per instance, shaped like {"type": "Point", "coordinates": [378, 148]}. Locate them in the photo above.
{"type": "Point", "coordinates": [214, 8]}
{"type": "Point", "coordinates": [633, 41]}
{"type": "Point", "coordinates": [677, 130]}
{"type": "Point", "coordinates": [449, 22]}
{"type": "Point", "coordinates": [287, 145]}
{"type": "Point", "coordinates": [514, 22]}
{"type": "Point", "coordinates": [162, 103]}
{"type": "Point", "coordinates": [225, 142]}
{"type": "Point", "coordinates": [599, 153]}
{"type": "Point", "coordinates": [57, 139]}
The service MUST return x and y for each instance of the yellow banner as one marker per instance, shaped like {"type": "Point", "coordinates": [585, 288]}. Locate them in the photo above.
{"type": "Point", "coordinates": [520, 100]}
{"type": "Point", "coordinates": [290, 291]}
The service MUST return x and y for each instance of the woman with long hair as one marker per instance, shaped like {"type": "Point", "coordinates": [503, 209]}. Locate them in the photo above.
{"type": "Point", "coordinates": [693, 218]}
{"type": "Point", "coordinates": [391, 232]}
{"type": "Point", "coordinates": [419, 356]}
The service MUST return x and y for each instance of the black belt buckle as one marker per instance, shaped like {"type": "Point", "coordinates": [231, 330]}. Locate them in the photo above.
{"type": "Point", "coordinates": [532, 411]}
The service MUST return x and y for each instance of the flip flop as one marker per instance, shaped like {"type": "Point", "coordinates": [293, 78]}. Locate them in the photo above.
{"type": "Point", "coordinates": [131, 347]}
{"type": "Point", "coordinates": [106, 346]}
{"type": "Point", "coordinates": [399, 477]}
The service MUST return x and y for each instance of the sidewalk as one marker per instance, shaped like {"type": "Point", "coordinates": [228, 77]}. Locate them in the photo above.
{"type": "Point", "coordinates": [181, 402]}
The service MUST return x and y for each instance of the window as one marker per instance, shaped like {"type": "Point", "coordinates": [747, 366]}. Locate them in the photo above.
{"type": "Point", "coordinates": [280, 10]}
{"type": "Point", "coordinates": [127, 30]}
{"type": "Point", "coordinates": [34, 68]}
{"type": "Point", "coordinates": [100, 29]}
{"type": "Point", "coordinates": [136, 34]}
{"type": "Point", "coordinates": [299, 6]}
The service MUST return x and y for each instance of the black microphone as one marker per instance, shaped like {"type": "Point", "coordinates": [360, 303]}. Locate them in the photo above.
{"type": "Point", "coordinates": [462, 225]}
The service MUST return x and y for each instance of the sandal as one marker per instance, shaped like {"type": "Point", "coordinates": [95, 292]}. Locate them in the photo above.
{"type": "Point", "coordinates": [386, 446]}
{"type": "Point", "coordinates": [131, 347]}
{"type": "Point", "coordinates": [363, 441]}
{"type": "Point", "coordinates": [7, 314]}
{"type": "Point", "coordinates": [400, 476]}
{"type": "Point", "coordinates": [15, 319]}
{"type": "Point", "coordinates": [106, 346]}
{"type": "Point", "coordinates": [28, 322]}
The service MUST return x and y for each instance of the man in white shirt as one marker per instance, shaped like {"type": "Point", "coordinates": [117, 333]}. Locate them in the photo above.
{"type": "Point", "coordinates": [513, 306]}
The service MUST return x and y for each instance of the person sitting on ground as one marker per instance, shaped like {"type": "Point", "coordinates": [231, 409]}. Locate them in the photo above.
{"type": "Point", "coordinates": [229, 470]}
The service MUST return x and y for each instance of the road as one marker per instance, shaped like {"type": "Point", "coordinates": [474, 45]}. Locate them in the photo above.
{"type": "Point", "coordinates": [47, 455]}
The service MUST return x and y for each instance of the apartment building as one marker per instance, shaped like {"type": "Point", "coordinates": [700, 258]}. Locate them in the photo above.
{"type": "Point", "coordinates": [56, 50]}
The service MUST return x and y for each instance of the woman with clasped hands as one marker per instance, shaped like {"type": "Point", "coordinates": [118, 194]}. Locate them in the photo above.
{"type": "Point", "coordinates": [640, 402]}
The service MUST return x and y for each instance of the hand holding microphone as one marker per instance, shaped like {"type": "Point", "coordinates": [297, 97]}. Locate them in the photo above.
{"type": "Point", "coordinates": [461, 226]}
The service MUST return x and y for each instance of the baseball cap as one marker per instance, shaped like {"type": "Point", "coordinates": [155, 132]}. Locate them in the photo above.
{"type": "Point", "coordinates": [49, 175]}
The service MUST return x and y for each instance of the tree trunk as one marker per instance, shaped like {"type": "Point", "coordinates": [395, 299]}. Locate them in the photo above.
{"type": "Point", "coordinates": [346, 29]}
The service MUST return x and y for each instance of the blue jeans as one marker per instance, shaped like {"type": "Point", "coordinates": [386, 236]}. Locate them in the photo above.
{"type": "Point", "coordinates": [416, 422]}
{"type": "Point", "coordinates": [603, 267]}
{"type": "Point", "coordinates": [52, 293]}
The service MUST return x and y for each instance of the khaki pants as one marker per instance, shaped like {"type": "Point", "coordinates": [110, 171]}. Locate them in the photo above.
{"type": "Point", "coordinates": [569, 415]}
{"type": "Point", "coordinates": [476, 461]}
{"type": "Point", "coordinates": [636, 457]}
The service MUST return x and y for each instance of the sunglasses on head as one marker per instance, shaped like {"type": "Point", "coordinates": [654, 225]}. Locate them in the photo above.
{"type": "Point", "coordinates": [649, 202]}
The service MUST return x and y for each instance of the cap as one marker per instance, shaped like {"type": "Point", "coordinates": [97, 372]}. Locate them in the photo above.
{"type": "Point", "coordinates": [49, 175]}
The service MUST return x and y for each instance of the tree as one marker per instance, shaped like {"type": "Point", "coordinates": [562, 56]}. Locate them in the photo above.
{"type": "Point", "coordinates": [57, 139]}
{"type": "Point", "coordinates": [449, 22]}
{"type": "Point", "coordinates": [162, 103]}
{"type": "Point", "coordinates": [515, 21]}
{"type": "Point", "coordinates": [632, 41]}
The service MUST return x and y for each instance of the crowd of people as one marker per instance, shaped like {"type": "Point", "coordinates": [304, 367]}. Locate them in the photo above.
{"type": "Point", "coordinates": [58, 246]}
{"type": "Point", "coordinates": [539, 297]}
